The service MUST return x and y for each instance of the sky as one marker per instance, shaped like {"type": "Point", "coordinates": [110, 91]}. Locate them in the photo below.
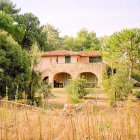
{"type": "Point", "coordinates": [101, 16]}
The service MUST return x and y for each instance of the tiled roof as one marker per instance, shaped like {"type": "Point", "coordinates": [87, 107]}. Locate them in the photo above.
{"type": "Point", "coordinates": [59, 52]}
{"type": "Point", "coordinates": [89, 53]}
{"type": "Point", "coordinates": [66, 53]}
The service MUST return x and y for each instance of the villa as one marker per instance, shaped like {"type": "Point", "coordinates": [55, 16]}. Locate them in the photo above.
{"type": "Point", "coordinates": [59, 66]}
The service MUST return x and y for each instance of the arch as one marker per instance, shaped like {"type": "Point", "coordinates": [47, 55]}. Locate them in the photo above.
{"type": "Point", "coordinates": [46, 80]}
{"type": "Point", "coordinates": [91, 78]}
{"type": "Point", "coordinates": [45, 73]}
{"type": "Point", "coordinates": [61, 79]}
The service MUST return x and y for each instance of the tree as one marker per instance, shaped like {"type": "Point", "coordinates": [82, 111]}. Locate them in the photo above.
{"type": "Point", "coordinates": [14, 65]}
{"type": "Point", "coordinates": [52, 38]}
{"type": "Point", "coordinates": [77, 88]}
{"type": "Point", "coordinates": [120, 84]}
{"type": "Point", "coordinates": [35, 82]}
{"type": "Point", "coordinates": [86, 40]}
{"type": "Point", "coordinates": [7, 24]}
{"type": "Point", "coordinates": [103, 40]}
{"type": "Point", "coordinates": [8, 8]}
{"type": "Point", "coordinates": [123, 48]}
{"type": "Point", "coordinates": [68, 43]}
{"type": "Point", "coordinates": [33, 31]}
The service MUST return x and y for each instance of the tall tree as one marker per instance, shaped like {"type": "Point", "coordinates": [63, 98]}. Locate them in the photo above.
{"type": "Point", "coordinates": [86, 41]}
{"type": "Point", "coordinates": [8, 7]}
{"type": "Point", "coordinates": [53, 39]}
{"type": "Point", "coordinates": [7, 24]}
{"type": "Point", "coordinates": [68, 43]}
{"type": "Point", "coordinates": [14, 65]}
{"type": "Point", "coordinates": [124, 48]}
{"type": "Point", "coordinates": [35, 75]}
{"type": "Point", "coordinates": [103, 40]}
{"type": "Point", "coordinates": [33, 31]}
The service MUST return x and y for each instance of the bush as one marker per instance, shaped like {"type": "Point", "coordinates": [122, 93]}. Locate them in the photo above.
{"type": "Point", "coordinates": [137, 94]}
{"type": "Point", "coordinates": [38, 100]}
{"type": "Point", "coordinates": [118, 86]}
{"type": "Point", "coordinates": [45, 90]}
{"type": "Point", "coordinates": [14, 67]}
{"type": "Point", "coordinates": [77, 89]}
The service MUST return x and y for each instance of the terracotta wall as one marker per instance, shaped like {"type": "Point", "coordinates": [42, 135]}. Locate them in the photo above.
{"type": "Point", "coordinates": [61, 59]}
{"type": "Point", "coordinates": [74, 59]}
{"type": "Point", "coordinates": [83, 59]}
{"type": "Point", "coordinates": [49, 60]}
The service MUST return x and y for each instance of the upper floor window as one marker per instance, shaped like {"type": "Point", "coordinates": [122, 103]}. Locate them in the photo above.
{"type": "Point", "coordinates": [50, 60]}
{"type": "Point", "coordinates": [57, 59]}
{"type": "Point", "coordinates": [95, 59]}
{"type": "Point", "coordinates": [67, 59]}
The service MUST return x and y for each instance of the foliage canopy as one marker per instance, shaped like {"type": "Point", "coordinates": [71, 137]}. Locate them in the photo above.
{"type": "Point", "coordinates": [15, 66]}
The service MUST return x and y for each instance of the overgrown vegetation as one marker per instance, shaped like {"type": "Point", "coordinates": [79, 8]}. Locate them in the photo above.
{"type": "Point", "coordinates": [123, 48]}
{"type": "Point", "coordinates": [121, 52]}
{"type": "Point", "coordinates": [121, 122]}
{"type": "Point", "coordinates": [77, 89]}
{"type": "Point", "coordinates": [117, 85]}
{"type": "Point", "coordinates": [15, 66]}
{"type": "Point", "coordinates": [137, 94]}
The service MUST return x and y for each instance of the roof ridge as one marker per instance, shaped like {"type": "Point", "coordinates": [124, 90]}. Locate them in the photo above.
{"type": "Point", "coordinates": [67, 52]}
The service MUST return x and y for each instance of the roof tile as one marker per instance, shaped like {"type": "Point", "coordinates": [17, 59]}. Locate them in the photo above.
{"type": "Point", "coordinates": [66, 53]}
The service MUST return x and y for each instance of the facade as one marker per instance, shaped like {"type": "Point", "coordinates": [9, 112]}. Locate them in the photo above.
{"type": "Point", "coordinates": [58, 67]}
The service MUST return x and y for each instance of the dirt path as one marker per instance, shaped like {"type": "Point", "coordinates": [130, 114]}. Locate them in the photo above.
{"type": "Point", "coordinates": [97, 96]}
{"type": "Point", "coordinates": [60, 98]}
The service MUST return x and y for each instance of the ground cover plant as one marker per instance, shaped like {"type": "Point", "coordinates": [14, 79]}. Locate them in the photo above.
{"type": "Point", "coordinates": [26, 123]}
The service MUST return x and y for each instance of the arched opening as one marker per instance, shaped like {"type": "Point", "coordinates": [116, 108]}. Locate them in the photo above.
{"type": "Point", "coordinates": [91, 79]}
{"type": "Point", "coordinates": [61, 80]}
{"type": "Point", "coordinates": [46, 80]}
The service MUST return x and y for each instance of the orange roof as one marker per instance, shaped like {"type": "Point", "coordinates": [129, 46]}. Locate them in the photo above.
{"type": "Point", "coordinates": [67, 53]}
{"type": "Point", "coordinates": [89, 53]}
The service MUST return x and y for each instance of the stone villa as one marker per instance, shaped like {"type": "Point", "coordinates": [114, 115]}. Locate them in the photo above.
{"type": "Point", "coordinates": [59, 66]}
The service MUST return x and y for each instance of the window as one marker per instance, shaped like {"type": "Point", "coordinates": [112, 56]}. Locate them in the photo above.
{"type": "Point", "coordinates": [67, 59]}
{"type": "Point", "coordinates": [95, 59]}
{"type": "Point", "coordinates": [57, 60]}
{"type": "Point", "coordinates": [50, 60]}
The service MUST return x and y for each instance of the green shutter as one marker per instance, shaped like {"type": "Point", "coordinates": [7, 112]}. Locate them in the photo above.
{"type": "Point", "coordinates": [95, 59]}
{"type": "Point", "coordinates": [67, 59]}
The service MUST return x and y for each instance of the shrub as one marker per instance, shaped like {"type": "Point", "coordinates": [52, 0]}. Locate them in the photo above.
{"type": "Point", "coordinates": [118, 86]}
{"type": "Point", "coordinates": [77, 89]}
{"type": "Point", "coordinates": [137, 94]}
{"type": "Point", "coordinates": [14, 66]}
{"type": "Point", "coordinates": [45, 90]}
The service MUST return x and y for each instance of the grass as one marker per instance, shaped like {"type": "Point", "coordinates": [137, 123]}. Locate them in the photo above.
{"type": "Point", "coordinates": [28, 123]}
{"type": "Point", "coordinates": [58, 91]}
{"type": "Point", "coordinates": [23, 123]}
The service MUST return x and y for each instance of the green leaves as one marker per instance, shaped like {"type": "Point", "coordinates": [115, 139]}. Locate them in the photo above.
{"type": "Point", "coordinates": [33, 31]}
{"type": "Point", "coordinates": [123, 48]}
{"type": "Point", "coordinates": [8, 8]}
{"type": "Point", "coordinates": [52, 38]}
{"type": "Point", "coordinates": [15, 65]}
{"type": "Point", "coordinates": [78, 87]}
{"type": "Point", "coordinates": [7, 24]}
{"type": "Point", "coordinates": [120, 82]}
{"type": "Point", "coordinates": [86, 40]}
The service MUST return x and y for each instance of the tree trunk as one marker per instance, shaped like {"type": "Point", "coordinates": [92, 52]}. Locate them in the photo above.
{"type": "Point", "coordinates": [112, 69]}
{"type": "Point", "coordinates": [131, 61]}
{"type": "Point", "coordinates": [31, 90]}
{"type": "Point", "coordinates": [115, 95]}
{"type": "Point", "coordinates": [130, 70]}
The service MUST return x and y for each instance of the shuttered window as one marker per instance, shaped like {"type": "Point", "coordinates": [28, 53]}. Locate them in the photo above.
{"type": "Point", "coordinates": [67, 59]}
{"type": "Point", "coordinates": [57, 60]}
{"type": "Point", "coordinates": [95, 59]}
